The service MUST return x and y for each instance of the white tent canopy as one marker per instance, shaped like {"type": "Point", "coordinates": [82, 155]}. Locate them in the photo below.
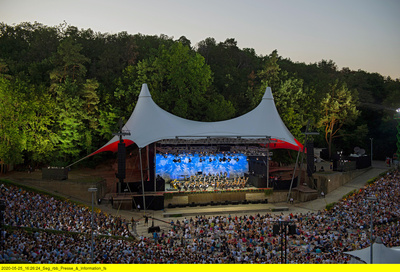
{"type": "Point", "coordinates": [149, 123]}
{"type": "Point", "coordinates": [380, 254]}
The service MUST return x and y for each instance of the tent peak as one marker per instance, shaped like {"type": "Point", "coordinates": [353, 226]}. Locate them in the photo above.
{"type": "Point", "coordinates": [268, 94]}
{"type": "Point", "coordinates": [144, 91]}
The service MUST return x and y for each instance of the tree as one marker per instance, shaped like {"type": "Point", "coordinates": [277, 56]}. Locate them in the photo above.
{"type": "Point", "coordinates": [69, 125]}
{"type": "Point", "coordinates": [25, 122]}
{"type": "Point", "coordinates": [185, 41]}
{"type": "Point", "coordinates": [12, 120]}
{"type": "Point", "coordinates": [108, 122]}
{"type": "Point", "coordinates": [91, 101]}
{"type": "Point", "coordinates": [77, 118]}
{"type": "Point", "coordinates": [233, 71]}
{"type": "Point", "coordinates": [271, 72]}
{"type": "Point", "coordinates": [62, 82]}
{"type": "Point", "coordinates": [338, 109]}
{"type": "Point", "coordinates": [117, 52]}
{"type": "Point", "coordinates": [178, 79]}
{"type": "Point", "coordinates": [69, 62]}
{"type": "Point", "coordinates": [217, 107]}
{"type": "Point", "coordinates": [126, 91]}
{"type": "Point", "coordinates": [292, 100]}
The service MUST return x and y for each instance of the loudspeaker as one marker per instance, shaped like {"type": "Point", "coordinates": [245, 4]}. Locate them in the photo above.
{"type": "Point", "coordinates": [121, 161]}
{"type": "Point", "coordinates": [2, 209]}
{"type": "Point", "coordinates": [259, 182]}
{"type": "Point", "coordinates": [310, 158]}
{"type": "Point", "coordinates": [275, 230]}
{"type": "Point", "coordinates": [292, 229]}
{"type": "Point", "coordinates": [224, 148]}
{"type": "Point", "coordinates": [2, 205]}
{"type": "Point", "coordinates": [153, 229]}
{"type": "Point", "coordinates": [55, 173]}
{"type": "Point", "coordinates": [152, 162]}
{"type": "Point", "coordinates": [160, 184]}
{"type": "Point", "coordinates": [153, 202]}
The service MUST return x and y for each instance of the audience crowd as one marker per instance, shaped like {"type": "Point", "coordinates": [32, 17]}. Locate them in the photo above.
{"type": "Point", "coordinates": [321, 237]}
{"type": "Point", "coordinates": [33, 210]}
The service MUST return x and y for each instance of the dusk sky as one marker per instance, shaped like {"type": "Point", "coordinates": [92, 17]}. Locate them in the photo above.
{"type": "Point", "coordinates": [359, 34]}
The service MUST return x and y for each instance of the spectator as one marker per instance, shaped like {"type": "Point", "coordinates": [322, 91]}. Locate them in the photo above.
{"type": "Point", "coordinates": [321, 237]}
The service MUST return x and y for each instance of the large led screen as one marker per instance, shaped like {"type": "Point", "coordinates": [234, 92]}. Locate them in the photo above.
{"type": "Point", "coordinates": [177, 167]}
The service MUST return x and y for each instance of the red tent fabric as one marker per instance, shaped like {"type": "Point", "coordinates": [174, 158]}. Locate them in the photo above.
{"type": "Point", "coordinates": [276, 144]}
{"type": "Point", "coordinates": [113, 147]}
{"type": "Point", "coordinates": [279, 144]}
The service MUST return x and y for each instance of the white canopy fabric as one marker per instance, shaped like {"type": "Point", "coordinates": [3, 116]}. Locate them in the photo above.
{"type": "Point", "coordinates": [380, 254]}
{"type": "Point", "coordinates": [149, 123]}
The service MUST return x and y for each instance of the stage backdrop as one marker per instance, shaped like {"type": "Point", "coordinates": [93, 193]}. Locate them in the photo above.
{"type": "Point", "coordinates": [177, 167]}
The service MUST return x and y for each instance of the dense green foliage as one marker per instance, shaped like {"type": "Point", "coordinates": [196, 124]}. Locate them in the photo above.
{"type": "Point", "coordinates": [338, 108]}
{"type": "Point", "coordinates": [62, 90]}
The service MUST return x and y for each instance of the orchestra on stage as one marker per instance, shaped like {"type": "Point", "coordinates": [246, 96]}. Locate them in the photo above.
{"type": "Point", "coordinates": [203, 182]}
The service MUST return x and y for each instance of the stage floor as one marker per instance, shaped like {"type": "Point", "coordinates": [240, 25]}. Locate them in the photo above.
{"type": "Point", "coordinates": [229, 209]}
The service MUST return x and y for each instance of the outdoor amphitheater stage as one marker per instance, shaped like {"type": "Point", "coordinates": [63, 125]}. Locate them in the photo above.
{"type": "Point", "coordinates": [203, 190]}
{"type": "Point", "coordinates": [207, 203]}
{"type": "Point", "coordinates": [175, 199]}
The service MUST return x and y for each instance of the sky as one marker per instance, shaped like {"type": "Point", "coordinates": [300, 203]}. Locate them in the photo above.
{"type": "Point", "coordinates": [358, 34]}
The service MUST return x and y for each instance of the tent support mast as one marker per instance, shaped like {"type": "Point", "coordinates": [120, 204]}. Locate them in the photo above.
{"type": "Point", "coordinates": [294, 173]}
{"type": "Point", "coordinates": [153, 157]}
{"type": "Point", "coordinates": [297, 160]}
{"type": "Point", "coordinates": [268, 142]}
{"type": "Point", "coordinates": [141, 175]}
{"type": "Point", "coordinates": [302, 154]}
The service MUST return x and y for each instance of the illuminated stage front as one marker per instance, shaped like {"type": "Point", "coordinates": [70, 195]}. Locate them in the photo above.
{"type": "Point", "coordinates": [170, 166]}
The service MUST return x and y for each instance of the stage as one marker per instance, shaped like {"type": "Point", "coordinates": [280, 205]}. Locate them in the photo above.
{"type": "Point", "coordinates": [204, 189]}
{"type": "Point", "coordinates": [183, 199]}
{"type": "Point", "coordinates": [250, 208]}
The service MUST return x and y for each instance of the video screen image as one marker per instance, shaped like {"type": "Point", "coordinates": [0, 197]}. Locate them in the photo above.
{"type": "Point", "coordinates": [170, 166]}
